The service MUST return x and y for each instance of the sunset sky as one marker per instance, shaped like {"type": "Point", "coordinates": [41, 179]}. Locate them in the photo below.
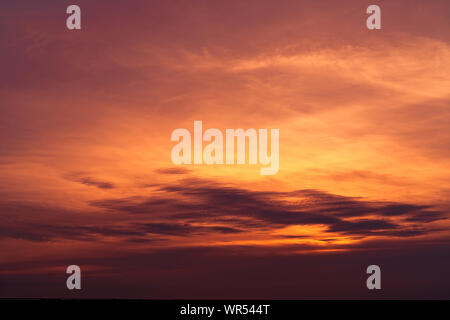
{"type": "Point", "coordinates": [86, 176]}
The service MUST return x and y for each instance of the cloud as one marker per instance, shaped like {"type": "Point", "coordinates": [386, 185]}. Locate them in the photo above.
{"type": "Point", "coordinates": [89, 181]}
{"type": "Point", "coordinates": [38, 232]}
{"type": "Point", "coordinates": [177, 229]}
{"type": "Point", "coordinates": [192, 207]}
{"type": "Point", "coordinates": [202, 201]}
{"type": "Point", "coordinates": [172, 171]}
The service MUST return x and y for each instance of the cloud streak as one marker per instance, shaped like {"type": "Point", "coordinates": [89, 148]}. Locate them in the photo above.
{"type": "Point", "coordinates": [202, 207]}
{"type": "Point", "coordinates": [89, 181]}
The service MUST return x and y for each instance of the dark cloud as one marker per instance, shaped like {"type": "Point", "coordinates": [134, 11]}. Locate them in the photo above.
{"type": "Point", "coordinates": [40, 223]}
{"type": "Point", "coordinates": [178, 229]}
{"type": "Point", "coordinates": [198, 207]}
{"type": "Point", "coordinates": [426, 216]}
{"type": "Point", "coordinates": [173, 171]}
{"type": "Point", "coordinates": [89, 181]}
{"type": "Point", "coordinates": [362, 226]}
{"type": "Point", "coordinates": [202, 201]}
{"type": "Point", "coordinates": [138, 232]}
{"type": "Point", "coordinates": [47, 232]}
{"type": "Point", "coordinates": [99, 184]}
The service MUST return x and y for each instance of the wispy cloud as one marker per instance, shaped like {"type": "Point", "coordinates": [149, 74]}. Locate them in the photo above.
{"type": "Point", "coordinates": [87, 180]}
